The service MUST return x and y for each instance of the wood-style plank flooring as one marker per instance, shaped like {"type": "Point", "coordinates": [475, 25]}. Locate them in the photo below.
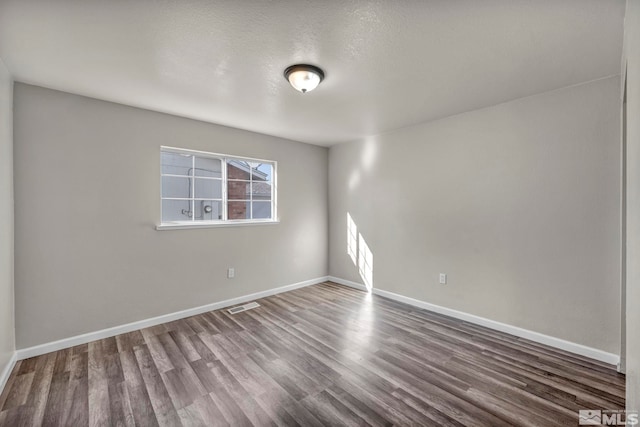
{"type": "Point", "coordinates": [321, 355]}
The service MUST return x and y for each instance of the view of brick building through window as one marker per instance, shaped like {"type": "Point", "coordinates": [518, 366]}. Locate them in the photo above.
{"type": "Point", "coordinates": [244, 187]}
{"type": "Point", "coordinates": [237, 190]}
{"type": "Point", "coordinates": [192, 188]}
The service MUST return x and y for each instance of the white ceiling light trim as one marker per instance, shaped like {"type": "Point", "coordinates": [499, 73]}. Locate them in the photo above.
{"type": "Point", "coordinates": [304, 78]}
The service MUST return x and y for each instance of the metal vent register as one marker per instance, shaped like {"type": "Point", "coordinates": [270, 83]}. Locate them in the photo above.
{"type": "Point", "coordinates": [243, 307]}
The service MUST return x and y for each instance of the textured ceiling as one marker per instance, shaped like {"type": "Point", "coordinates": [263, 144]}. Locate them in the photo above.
{"type": "Point", "coordinates": [388, 64]}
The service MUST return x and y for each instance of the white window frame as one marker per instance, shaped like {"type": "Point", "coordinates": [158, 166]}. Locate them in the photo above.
{"type": "Point", "coordinates": [224, 222]}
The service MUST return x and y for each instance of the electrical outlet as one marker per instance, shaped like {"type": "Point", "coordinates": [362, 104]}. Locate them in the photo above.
{"type": "Point", "coordinates": [443, 279]}
{"type": "Point", "coordinates": [231, 273]}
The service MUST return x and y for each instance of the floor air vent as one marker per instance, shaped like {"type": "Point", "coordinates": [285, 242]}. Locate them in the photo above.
{"type": "Point", "coordinates": [243, 307]}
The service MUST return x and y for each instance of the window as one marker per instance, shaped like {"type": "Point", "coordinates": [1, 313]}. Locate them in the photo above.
{"type": "Point", "coordinates": [201, 188]}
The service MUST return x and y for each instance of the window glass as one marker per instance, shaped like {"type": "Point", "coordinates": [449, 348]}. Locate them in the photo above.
{"type": "Point", "coordinates": [262, 171]}
{"type": "Point", "coordinates": [209, 167]}
{"type": "Point", "coordinates": [260, 190]}
{"type": "Point", "coordinates": [176, 210]}
{"type": "Point", "coordinates": [238, 169]}
{"type": "Point", "coordinates": [208, 210]}
{"type": "Point", "coordinates": [207, 187]}
{"type": "Point", "coordinates": [176, 164]}
{"type": "Point", "coordinates": [176, 187]}
{"type": "Point", "coordinates": [261, 210]}
{"type": "Point", "coordinates": [239, 190]}
{"type": "Point", "coordinates": [239, 210]}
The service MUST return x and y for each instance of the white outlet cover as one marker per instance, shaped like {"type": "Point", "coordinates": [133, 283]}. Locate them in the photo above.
{"type": "Point", "coordinates": [443, 278]}
{"type": "Point", "coordinates": [231, 273]}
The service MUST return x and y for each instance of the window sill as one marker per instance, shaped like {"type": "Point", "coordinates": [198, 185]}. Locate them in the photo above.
{"type": "Point", "coordinates": [177, 226]}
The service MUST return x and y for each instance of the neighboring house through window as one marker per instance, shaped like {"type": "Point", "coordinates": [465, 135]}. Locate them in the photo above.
{"type": "Point", "coordinates": [201, 188]}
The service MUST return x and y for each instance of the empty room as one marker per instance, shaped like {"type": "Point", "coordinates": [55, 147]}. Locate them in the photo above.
{"type": "Point", "coordinates": [319, 213]}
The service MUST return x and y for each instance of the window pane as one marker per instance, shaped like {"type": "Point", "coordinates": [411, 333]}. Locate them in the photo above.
{"type": "Point", "coordinates": [208, 188]}
{"type": "Point", "coordinates": [176, 164]}
{"type": "Point", "coordinates": [208, 167]}
{"type": "Point", "coordinates": [208, 210]}
{"type": "Point", "coordinates": [238, 190]}
{"type": "Point", "coordinates": [237, 169]}
{"type": "Point", "coordinates": [176, 210]}
{"type": "Point", "coordinates": [197, 180]}
{"type": "Point", "coordinates": [176, 187]}
{"type": "Point", "coordinates": [261, 190]}
{"type": "Point", "coordinates": [261, 210]}
{"type": "Point", "coordinates": [239, 210]}
{"type": "Point", "coordinates": [261, 171]}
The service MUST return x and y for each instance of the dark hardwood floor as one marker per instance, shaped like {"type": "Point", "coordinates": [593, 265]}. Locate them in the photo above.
{"type": "Point", "coordinates": [321, 355]}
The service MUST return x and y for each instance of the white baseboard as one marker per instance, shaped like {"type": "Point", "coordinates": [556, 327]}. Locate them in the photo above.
{"type": "Point", "coordinates": [129, 327]}
{"type": "Point", "coordinates": [349, 283]}
{"type": "Point", "coordinates": [6, 372]}
{"type": "Point", "coordinates": [559, 343]}
{"type": "Point", "coordinates": [37, 350]}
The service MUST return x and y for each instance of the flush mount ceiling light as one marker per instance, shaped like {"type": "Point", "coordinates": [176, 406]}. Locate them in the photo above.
{"type": "Point", "coordinates": [303, 77]}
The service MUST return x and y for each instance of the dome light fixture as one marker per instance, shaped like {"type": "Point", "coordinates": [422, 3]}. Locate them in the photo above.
{"type": "Point", "coordinates": [303, 77]}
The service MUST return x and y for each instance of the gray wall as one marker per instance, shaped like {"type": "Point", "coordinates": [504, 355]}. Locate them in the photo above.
{"type": "Point", "coordinates": [632, 61]}
{"type": "Point", "coordinates": [7, 341]}
{"type": "Point", "coordinates": [87, 189]}
{"type": "Point", "coordinates": [517, 203]}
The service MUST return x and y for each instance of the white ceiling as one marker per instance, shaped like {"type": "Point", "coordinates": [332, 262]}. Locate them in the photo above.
{"type": "Point", "coordinates": [388, 64]}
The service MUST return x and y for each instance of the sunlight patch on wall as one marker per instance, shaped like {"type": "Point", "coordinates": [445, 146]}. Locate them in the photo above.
{"type": "Point", "coordinates": [352, 239]}
{"type": "Point", "coordinates": [365, 262]}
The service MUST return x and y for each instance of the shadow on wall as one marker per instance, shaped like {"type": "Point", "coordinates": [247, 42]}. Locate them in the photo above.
{"type": "Point", "coordinates": [359, 252]}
